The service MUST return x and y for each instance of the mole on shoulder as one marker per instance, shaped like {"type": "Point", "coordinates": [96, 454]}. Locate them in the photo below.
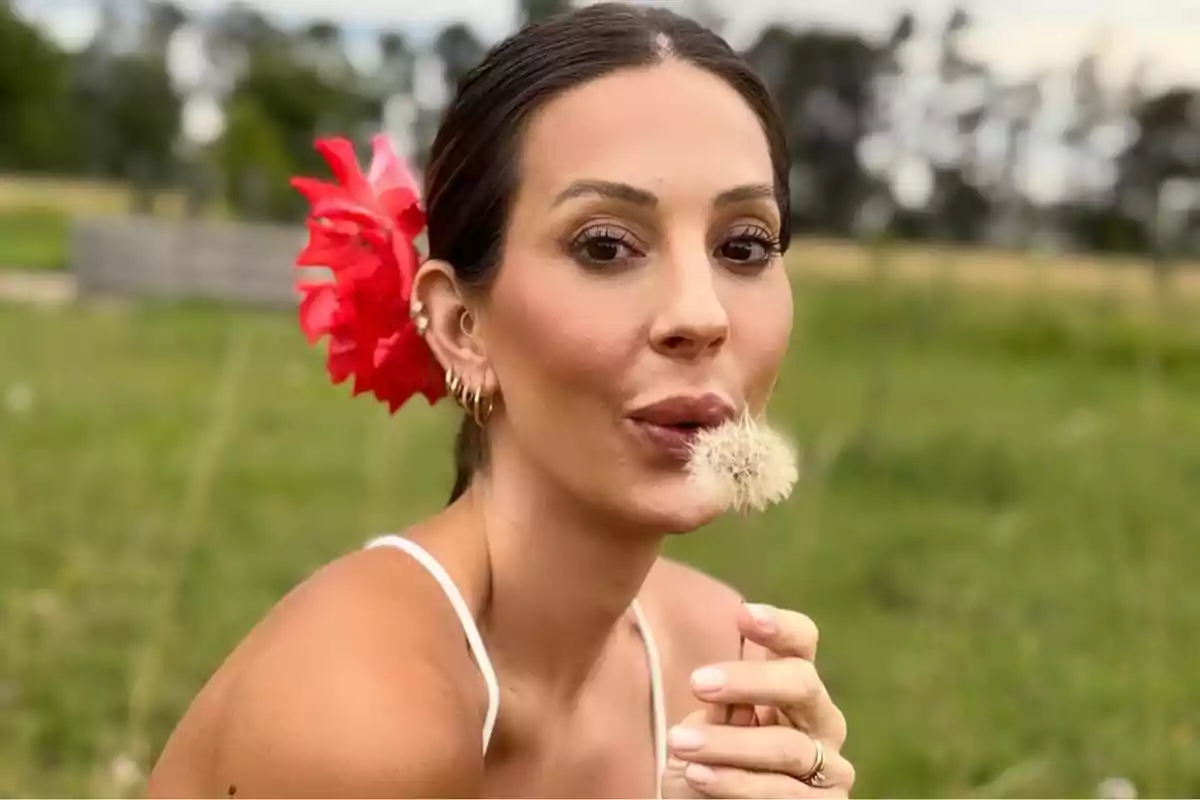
{"type": "Point", "coordinates": [232, 790]}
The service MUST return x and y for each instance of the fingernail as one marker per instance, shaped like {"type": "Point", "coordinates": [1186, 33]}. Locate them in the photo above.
{"type": "Point", "coordinates": [763, 616]}
{"type": "Point", "coordinates": [708, 679]}
{"type": "Point", "coordinates": [699, 774]}
{"type": "Point", "coordinates": [681, 738]}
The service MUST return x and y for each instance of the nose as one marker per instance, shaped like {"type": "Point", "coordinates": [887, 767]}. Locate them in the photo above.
{"type": "Point", "coordinates": [691, 321]}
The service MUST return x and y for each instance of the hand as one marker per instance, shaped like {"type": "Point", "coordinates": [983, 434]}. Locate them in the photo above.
{"type": "Point", "coordinates": [769, 754]}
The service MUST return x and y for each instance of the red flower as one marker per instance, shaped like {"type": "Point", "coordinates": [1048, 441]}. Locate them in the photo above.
{"type": "Point", "coordinates": [363, 229]}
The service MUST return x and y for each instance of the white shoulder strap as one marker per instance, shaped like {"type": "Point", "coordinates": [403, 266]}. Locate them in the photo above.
{"type": "Point", "coordinates": [658, 701]}
{"type": "Point", "coordinates": [474, 640]}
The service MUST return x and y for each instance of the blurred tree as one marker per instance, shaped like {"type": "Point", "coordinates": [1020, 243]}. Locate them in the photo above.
{"type": "Point", "coordinates": [163, 19]}
{"type": "Point", "coordinates": [1121, 216]}
{"type": "Point", "coordinates": [279, 93]}
{"type": "Point", "coordinates": [320, 47]}
{"type": "Point", "coordinates": [123, 95]}
{"type": "Point", "coordinates": [825, 97]}
{"type": "Point", "coordinates": [1165, 152]}
{"type": "Point", "coordinates": [459, 50]}
{"type": "Point", "coordinates": [771, 56]}
{"type": "Point", "coordinates": [39, 130]}
{"type": "Point", "coordinates": [231, 37]}
{"type": "Point", "coordinates": [255, 164]}
{"type": "Point", "coordinates": [1089, 107]}
{"type": "Point", "coordinates": [1019, 105]}
{"type": "Point", "coordinates": [392, 90]}
{"type": "Point", "coordinates": [1165, 147]}
{"type": "Point", "coordinates": [396, 65]}
{"type": "Point", "coordinates": [884, 125]}
{"type": "Point", "coordinates": [706, 13]}
{"type": "Point", "coordinates": [276, 109]}
{"type": "Point", "coordinates": [143, 113]}
{"type": "Point", "coordinates": [877, 212]}
{"type": "Point", "coordinates": [958, 207]}
{"type": "Point", "coordinates": [537, 10]}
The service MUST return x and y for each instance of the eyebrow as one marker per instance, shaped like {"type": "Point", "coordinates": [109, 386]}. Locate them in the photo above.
{"type": "Point", "coordinates": [640, 197]}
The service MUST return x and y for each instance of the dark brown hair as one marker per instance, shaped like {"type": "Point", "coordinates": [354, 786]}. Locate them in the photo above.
{"type": "Point", "coordinates": [473, 170]}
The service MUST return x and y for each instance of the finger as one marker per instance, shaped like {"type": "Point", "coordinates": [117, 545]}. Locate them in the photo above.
{"type": "Point", "coordinates": [774, 749]}
{"type": "Point", "coordinates": [733, 782]}
{"type": "Point", "coordinates": [733, 714]}
{"type": "Point", "coordinates": [736, 714]}
{"type": "Point", "coordinates": [783, 633]}
{"type": "Point", "coordinates": [839, 775]}
{"type": "Point", "coordinates": [792, 685]}
{"type": "Point", "coordinates": [786, 751]}
{"type": "Point", "coordinates": [836, 778]}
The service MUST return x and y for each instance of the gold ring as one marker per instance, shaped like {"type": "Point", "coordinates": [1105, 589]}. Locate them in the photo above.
{"type": "Point", "coordinates": [815, 777]}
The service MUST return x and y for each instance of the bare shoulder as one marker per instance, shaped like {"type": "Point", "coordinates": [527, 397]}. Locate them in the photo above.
{"type": "Point", "coordinates": [697, 612]}
{"type": "Point", "coordinates": [357, 684]}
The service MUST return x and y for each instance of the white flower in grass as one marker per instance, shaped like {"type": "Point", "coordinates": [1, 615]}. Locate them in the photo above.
{"type": "Point", "coordinates": [18, 399]}
{"type": "Point", "coordinates": [124, 773]}
{"type": "Point", "coordinates": [1116, 789]}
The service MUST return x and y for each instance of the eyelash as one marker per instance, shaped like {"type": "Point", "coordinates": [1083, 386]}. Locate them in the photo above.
{"type": "Point", "coordinates": [771, 245]}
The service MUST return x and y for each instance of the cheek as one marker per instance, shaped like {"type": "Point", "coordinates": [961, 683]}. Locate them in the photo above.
{"type": "Point", "coordinates": [554, 334]}
{"type": "Point", "coordinates": [762, 330]}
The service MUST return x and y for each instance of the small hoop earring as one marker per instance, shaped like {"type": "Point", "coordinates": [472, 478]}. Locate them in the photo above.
{"type": "Point", "coordinates": [472, 401]}
{"type": "Point", "coordinates": [462, 322]}
{"type": "Point", "coordinates": [479, 412]}
{"type": "Point", "coordinates": [464, 397]}
{"type": "Point", "coordinates": [453, 385]}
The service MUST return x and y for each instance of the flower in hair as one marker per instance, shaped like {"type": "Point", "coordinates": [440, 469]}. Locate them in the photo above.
{"type": "Point", "coordinates": [363, 229]}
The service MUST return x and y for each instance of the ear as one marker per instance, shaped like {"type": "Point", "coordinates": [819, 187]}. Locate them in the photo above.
{"type": "Point", "coordinates": [453, 333]}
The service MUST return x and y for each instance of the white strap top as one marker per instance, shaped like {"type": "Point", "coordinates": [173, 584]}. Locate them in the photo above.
{"type": "Point", "coordinates": [479, 652]}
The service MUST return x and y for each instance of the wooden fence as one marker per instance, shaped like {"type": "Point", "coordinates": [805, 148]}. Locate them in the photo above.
{"type": "Point", "coordinates": [228, 262]}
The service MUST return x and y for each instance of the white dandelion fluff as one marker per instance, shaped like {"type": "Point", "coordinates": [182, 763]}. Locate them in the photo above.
{"type": "Point", "coordinates": [744, 464]}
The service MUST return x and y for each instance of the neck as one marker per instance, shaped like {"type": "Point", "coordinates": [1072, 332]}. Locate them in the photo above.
{"type": "Point", "coordinates": [562, 577]}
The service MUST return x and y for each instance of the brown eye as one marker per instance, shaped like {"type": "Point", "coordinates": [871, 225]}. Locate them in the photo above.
{"type": "Point", "coordinates": [598, 247]}
{"type": "Point", "coordinates": [744, 250]}
{"type": "Point", "coordinates": [600, 250]}
{"type": "Point", "coordinates": [749, 249]}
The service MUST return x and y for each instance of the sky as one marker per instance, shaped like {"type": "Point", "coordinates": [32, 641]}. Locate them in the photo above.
{"type": "Point", "coordinates": [1017, 38]}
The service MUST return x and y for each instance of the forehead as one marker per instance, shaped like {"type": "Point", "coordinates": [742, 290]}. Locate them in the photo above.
{"type": "Point", "coordinates": [670, 128]}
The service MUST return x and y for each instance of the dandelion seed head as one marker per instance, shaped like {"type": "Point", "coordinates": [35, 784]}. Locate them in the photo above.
{"type": "Point", "coordinates": [743, 464]}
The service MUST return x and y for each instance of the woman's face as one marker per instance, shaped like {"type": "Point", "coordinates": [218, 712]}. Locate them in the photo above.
{"type": "Point", "coordinates": [641, 289]}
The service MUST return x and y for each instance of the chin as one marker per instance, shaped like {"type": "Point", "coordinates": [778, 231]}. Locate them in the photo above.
{"type": "Point", "coordinates": [671, 506]}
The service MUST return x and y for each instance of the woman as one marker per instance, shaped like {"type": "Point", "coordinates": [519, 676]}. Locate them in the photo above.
{"type": "Point", "coordinates": [607, 209]}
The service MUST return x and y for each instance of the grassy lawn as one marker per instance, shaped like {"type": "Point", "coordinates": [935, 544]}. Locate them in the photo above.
{"type": "Point", "coordinates": [33, 239]}
{"type": "Point", "coordinates": [1002, 560]}
{"type": "Point", "coordinates": [35, 213]}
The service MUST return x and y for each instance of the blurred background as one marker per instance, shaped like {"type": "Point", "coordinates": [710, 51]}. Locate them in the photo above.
{"type": "Point", "coordinates": [995, 374]}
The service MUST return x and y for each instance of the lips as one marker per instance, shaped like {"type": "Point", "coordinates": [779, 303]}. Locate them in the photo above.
{"type": "Point", "coordinates": [671, 425]}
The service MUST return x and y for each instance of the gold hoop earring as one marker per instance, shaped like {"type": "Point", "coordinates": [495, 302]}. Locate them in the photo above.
{"type": "Point", "coordinates": [464, 397]}
{"type": "Point", "coordinates": [472, 401]}
{"type": "Point", "coordinates": [453, 384]}
{"type": "Point", "coordinates": [479, 412]}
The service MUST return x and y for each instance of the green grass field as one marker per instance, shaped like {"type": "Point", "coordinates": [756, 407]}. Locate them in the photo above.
{"type": "Point", "coordinates": [35, 239]}
{"type": "Point", "coordinates": [35, 214]}
{"type": "Point", "coordinates": [1003, 562]}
